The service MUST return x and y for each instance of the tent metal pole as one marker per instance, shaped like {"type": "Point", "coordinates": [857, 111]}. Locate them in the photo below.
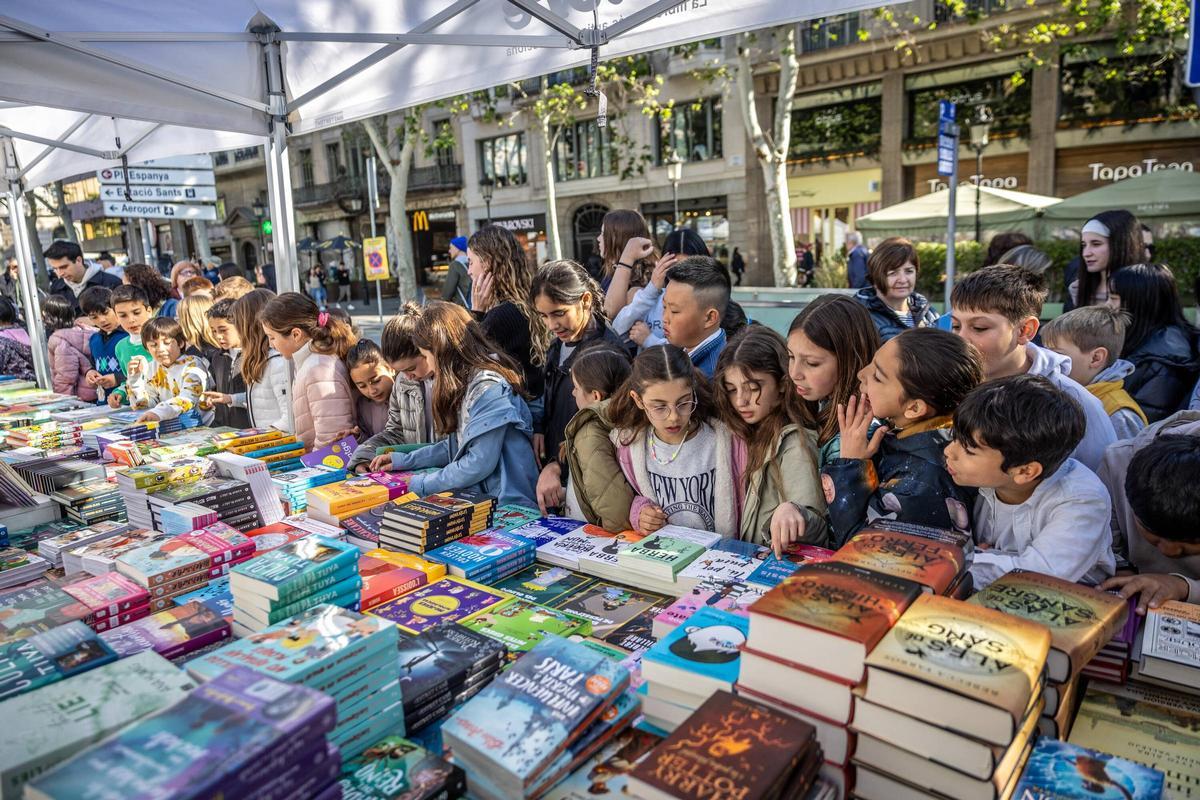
{"type": "Point", "coordinates": [468, 40]}
{"type": "Point", "coordinates": [547, 16]}
{"type": "Point", "coordinates": [62, 138]}
{"type": "Point", "coordinates": [16, 220]}
{"type": "Point", "coordinates": [450, 12]}
{"type": "Point", "coordinates": [126, 148]}
{"type": "Point", "coordinates": [643, 15]}
{"type": "Point", "coordinates": [279, 175]}
{"type": "Point", "coordinates": [54, 143]}
{"type": "Point", "coordinates": [139, 36]}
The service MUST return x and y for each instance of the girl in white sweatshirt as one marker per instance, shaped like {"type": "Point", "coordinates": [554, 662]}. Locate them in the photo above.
{"type": "Point", "coordinates": [268, 395]}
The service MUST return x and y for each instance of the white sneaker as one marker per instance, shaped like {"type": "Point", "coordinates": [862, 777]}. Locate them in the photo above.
{"type": "Point", "coordinates": [349, 307]}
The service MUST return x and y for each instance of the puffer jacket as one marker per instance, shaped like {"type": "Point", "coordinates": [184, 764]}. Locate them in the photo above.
{"type": "Point", "coordinates": [268, 403]}
{"type": "Point", "coordinates": [888, 321]}
{"type": "Point", "coordinates": [70, 360]}
{"type": "Point", "coordinates": [405, 422]}
{"type": "Point", "coordinates": [1165, 368]}
{"type": "Point", "coordinates": [322, 397]}
{"type": "Point", "coordinates": [594, 473]}
{"type": "Point", "coordinates": [789, 475]}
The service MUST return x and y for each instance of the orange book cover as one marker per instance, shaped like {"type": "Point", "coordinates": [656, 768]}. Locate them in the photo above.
{"type": "Point", "coordinates": [841, 599]}
{"type": "Point", "coordinates": [934, 564]}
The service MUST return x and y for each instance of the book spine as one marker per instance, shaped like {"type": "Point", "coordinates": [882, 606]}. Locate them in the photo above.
{"type": "Point", "coordinates": [416, 582]}
{"type": "Point", "coordinates": [121, 619]}
{"type": "Point", "coordinates": [299, 585]}
{"type": "Point", "coordinates": [329, 596]}
{"type": "Point", "coordinates": [195, 643]}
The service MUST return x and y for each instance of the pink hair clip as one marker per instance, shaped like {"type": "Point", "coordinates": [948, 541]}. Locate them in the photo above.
{"type": "Point", "coordinates": [322, 319]}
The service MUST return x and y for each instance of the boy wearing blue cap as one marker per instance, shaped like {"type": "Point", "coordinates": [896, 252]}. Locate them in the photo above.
{"type": "Point", "coordinates": [456, 288]}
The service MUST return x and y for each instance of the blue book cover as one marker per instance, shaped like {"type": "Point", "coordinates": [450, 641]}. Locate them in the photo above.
{"type": "Point", "coordinates": [547, 529]}
{"type": "Point", "coordinates": [486, 550]}
{"type": "Point", "coordinates": [27, 664]}
{"type": "Point", "coordinates": [290, 571]}
{"type": "Point", "coordinates": [772, 571]}
{"type": "Point", "coordinates": [1058, 770]}
{"type": "Point", "coordinates": [739, 547]}
{"type": "Point", "coordinates": [216, 595]}
{"type": "Point", "coordinates": [318, 641]}
{"type": "Point", "coordinates": [344, 593]}
{"type": "Point", "coordinates": [534, 710]}
{"type": "Point", "coordinates": [186, 750]}
{"type": "Point", "coordinates": [706, 643]}
{"type": "Point", "coordinates": [513, 515]}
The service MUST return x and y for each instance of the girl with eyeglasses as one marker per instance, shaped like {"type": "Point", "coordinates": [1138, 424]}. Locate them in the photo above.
{"type": "Point", "coordinates": [756, 400]}
{"type": "Point", "coordinates": [684, 469]}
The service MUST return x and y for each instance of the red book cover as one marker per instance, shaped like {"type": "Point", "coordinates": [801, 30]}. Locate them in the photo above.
{"type": "Point", "coordinates": [934, 564]}
{"type": "Point", "coordinates": [383, 581]}
{"type": "Point", "coordinates": [273, 536]}
{"type": "Point", "coordinates": [222, 543]}
{"type": "Point", "coordinates": [108, 595]}
{"type": "Point", "coordinates": [123, 618]}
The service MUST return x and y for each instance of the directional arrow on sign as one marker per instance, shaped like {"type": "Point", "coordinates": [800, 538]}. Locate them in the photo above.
{"type": "Point", "coordinates": [156, 175]}
{"type": "Point", "coordinates": [124, 208]}
{"type": "Point", "coordinates": [162, 194]}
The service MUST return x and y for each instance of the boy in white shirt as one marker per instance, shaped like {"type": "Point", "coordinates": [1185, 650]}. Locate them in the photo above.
{"type": "Point", "coordinates": [1038, 509]}
{"type": "Point", "coordinates": [172, 385]}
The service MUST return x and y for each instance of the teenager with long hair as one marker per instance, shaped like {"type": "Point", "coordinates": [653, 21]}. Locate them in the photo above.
{"type": "Point", "coordinates": [267, 397]}
{"type": "Point", "coordinates": [1108, 242]}
{"type": "Point", "coordinates": [629, 257]}
{"type": "Point", "coordinates": [478, 407]}
{"type": "Point", "coordinates": [157, 291]}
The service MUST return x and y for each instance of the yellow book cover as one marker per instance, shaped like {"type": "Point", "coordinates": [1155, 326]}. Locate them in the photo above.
{"type": "Point", "coordinates": [231, 439]}
{"type": "Point", "coordinates": [433, 570]}
{"type": "Point", "coordinates": [1081, 619]}
{"type": "Point", "coordinates": [986, 655]}
{"type": "Point", "coordinates": [354, 494]}
{"type": "Point", "coordinates": [278, 441]}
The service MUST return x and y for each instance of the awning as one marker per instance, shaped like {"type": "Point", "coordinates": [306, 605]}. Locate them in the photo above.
{"type": "Point", "coordinates": [925, 216]}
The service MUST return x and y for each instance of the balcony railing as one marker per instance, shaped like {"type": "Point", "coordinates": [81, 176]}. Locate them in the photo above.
{"type": "Point", "coordinates": [439, 176]}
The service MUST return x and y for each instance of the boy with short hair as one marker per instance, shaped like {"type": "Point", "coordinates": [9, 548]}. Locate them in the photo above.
{"type": "Point", "coordinates": [1156, 505]}
{"type": "Point", "coordinates": [133, 311]}
{"type": "Point", "coordinates": [996, 309]}
{"type": "Point", "coordinates": [1038, 509]}
{"type": "Point", "coordinates": [1092, 337]}
{"type": "Point", "coordinates": [172, 384]}
{"type": "Point", "coordinates": [694, 303]}
{"type": "Point", "coordinates": [106, 373]}
{"type": "Point", "coordinates": [223, 377]}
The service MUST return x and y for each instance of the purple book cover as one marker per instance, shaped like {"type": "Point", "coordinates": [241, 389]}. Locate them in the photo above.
{"type": "Point", "coordinates": [286, 767]}
{"type": "Point", "coordinates": [448, 600]}
{"type": "Point", "coordinates": [170, 633]}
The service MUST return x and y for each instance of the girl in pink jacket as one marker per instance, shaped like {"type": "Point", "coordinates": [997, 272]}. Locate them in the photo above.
{"type": "Point", "coordinates": [316, 343]}
{"type": "Point", "coordinates": [70, 356]}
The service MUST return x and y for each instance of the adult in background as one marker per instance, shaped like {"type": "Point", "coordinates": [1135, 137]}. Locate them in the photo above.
{"type": "Point", "coordinates": [1001, 244]}
{"type": "Point", "coordinates": [10, 281]}
{"type": "Point", "coordinates": [892, 298]}
{"type": "Point", "coordinates": [856, 261]}
{"type": "Point", "coordinates": [109, 264]}
{"type": "Point", "coordinates": [342, 274]}
{"type": "Point", "coordinates": [1028, 256]}
{"type": "Point", "coordinates": [806, 265]}
{"type": "Point", "coordinates": [158, 291]}
{"type": "Point", "coordinates": [737, 265]}
{"type": "Point", "coordinates": [629, 257]}
{"type": "Point", "coordinates": [1108, 242]}
{"type": "Point", "coordinates": [456, 288]}
{"type": "Point", "coordinates": [182, 272]}
{"type": "Point", "coordinates": [73, 274]}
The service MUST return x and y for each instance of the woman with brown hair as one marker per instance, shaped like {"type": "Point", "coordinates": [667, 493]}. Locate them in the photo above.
{"type": "Point", "coordinates": [478, 407]}
{"type": "Point", "coordinates": [629, 257]}
{"type": "Point", "coordinates": [892, 298]}
{"type": "Point", "coordinates": [158, 291]}
{"type": "Point", "coordinates": [268, 395]}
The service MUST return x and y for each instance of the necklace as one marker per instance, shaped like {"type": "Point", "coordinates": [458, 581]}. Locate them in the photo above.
{"type": "Point", "coordinates": [654, 441]}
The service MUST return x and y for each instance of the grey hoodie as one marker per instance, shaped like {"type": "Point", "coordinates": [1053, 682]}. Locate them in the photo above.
{"type": "Point", "coordinates": [1126, 423]}
{"type": "Point", "coordinates": [1099, 432]}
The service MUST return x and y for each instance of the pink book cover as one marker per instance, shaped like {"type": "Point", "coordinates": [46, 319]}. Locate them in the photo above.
{"type": "Point", "coordinates": [125, 617]}
{"type": "Point", "coordinates": [221, 542]}
{"type": "Point", "coordinates": [108, 595]}
{"type": "Point", "coordinates": [734, 598]}
{"type": "Point", "coordinates": [395, 482]}
{"type": "Point", "coordinates": [170, 633]}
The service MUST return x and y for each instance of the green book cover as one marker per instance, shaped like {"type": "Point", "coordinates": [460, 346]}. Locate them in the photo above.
{"type": "Point", "coordinates": [520, 624]}
{"type": "Point", "coordinates": [660, 555]}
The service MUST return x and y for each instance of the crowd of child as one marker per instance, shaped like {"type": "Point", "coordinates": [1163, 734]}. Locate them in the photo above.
{"type": "Point", "coordinates": [679, 412]}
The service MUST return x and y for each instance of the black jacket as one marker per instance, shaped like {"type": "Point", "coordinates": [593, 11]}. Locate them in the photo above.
{"type": "Point", "coordinates": [507, 326]}
{"type": "Point", "coordinates": [101, 278]}
{"type": "Point", "coordinates": [225, 379]}
{"type": "Point", "coordinates": [1165, 368]}
{"type": "Point", "coordinates": [887, 321]}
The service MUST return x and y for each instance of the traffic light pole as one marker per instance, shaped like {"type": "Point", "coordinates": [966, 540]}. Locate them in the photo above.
{"type": "Point", "coordinates": [372, 190]}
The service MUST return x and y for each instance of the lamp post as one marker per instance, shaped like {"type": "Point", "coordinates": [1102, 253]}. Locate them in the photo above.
{"type": "Point", "coordinates": [674, 174]}
{"type": "Point", "coordinates": [260, 213]}
{"type": "Point", "coordinates": [980, 127]}
{"type": "Point", "coordinates": [487, 187]}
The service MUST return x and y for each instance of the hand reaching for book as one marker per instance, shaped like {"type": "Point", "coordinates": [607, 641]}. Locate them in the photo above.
{"type": "Point", "coordinates": [1153, 590]}
{"type": "Point", "coordinates": [550, 492]}
{"type": "Point", "coordinates": [651, 518]}
{"type": "Point", "coordinates": [787, 528]}
{"type": "Point", "coordinates": [382, 463]}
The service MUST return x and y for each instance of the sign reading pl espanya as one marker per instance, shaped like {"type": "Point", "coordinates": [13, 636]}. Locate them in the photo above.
{"type": "Point", "coordinates": [157, 175]}
{"type": "Point", "coordinates": [162, 194]}
{"type": "Point", "coordinates": [150, 210]}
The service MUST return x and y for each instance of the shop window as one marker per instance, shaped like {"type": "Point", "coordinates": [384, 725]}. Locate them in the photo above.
{"type": "Point", "coordinates": [583, 150]}
{"type": "Point", "coordinates": [842, 129]}
{"type": "Point", "coordinates": [306, 168]}
{"type": "Point", "coordinates": [693, 131]}
{"type": "Point", "coordinates": [1122, 90]}
{"type": "Point", "coordinates": [333, 160]}
{"type": "Point", "coordinates": [502, 158]}
{"type": "Point", "coordinates": [1010, 106]}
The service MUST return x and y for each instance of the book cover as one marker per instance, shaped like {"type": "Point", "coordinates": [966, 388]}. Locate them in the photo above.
{"type": "Point", "coordinates": [204, 741]}
{"type": "Point", "coordinates": [274, 536]}
{"type": "Point", "coordinates": [840, 599]}
{"type": "Point", "coordinates": [107, 595]}
{"type": "Point", "coordinates": [729, 742]}
{"type": "Point", "coordinates": [960, 539]}
{"type": "Point", "coordinates": [602, 556]}
{"type": "Point", "coordinates": [395, 482]}
{"type": "Point", "coordinates": [349, 495]}
{"type": "Point", "coordinates": [722, 566]}
{"type": "Point", "coordinates": [366, 525]}
{"type": "Point", "coordinates": [397, 769]}
{"type": "Point", "coordinates": [31, 610]}
{"type": "Point", "coordinates": [221, 542]}
{"type": "Point", "coordinates": [933, 564]}
{"type": "Point", "coordinates": [335, 456]}
{"type": "Point", "coordinates": [637, 634]}
{"type": "Point", "coordinates": [1081, 619]}
{"type": "Point", "coordinates": [511, 516]}
{"type": "Point", "coordinates": [772, 570]}
{"type": "Point", "coordinates": [432, 569]}
{"type": "Point", "coordinates": [290, 571]}
{"type": "Point", "coordinates": [1172, 633]}
{"type": "Point", "coordinates": [1057, 770]}
{"type": "Point", "coordinates": [383, 581]}
{"type": "Point", "coordinates": [50, 656]}
{"type": "Point", "coordinates": [606, 773]}
{"type": "Point", "coordinates": [659, 554]}
{"type": "Point", "coordinates": [608, 605]}
{"type": "Point", "coordinates": [708, 644]}
{"type": "Point", "coordinates": [170, 633]}
{"type": "Point", "coordinates": [163, 561]}
{"type": "Point", "coordinates": [449, 599]}
{"type": "Point", "coordinates": [534, 710]}
{"type": "Point", "coordinates": [441, 659]}
{"type": "Point", "coordinates": [346, 592]}
{"type": "Point", "coordinates": [520, 625]}
{"type": "Point", "coordinates": [543, 585]}
{"type": "Point", "coordinates": [987, 655]}
{"type": "Point", "coordinates": [1156, 727]}
{"type": "Point", "coordinates": [314, 641]}
{"type": "Point", "coordinates": [735, 598]}
{"type": "Point", "coordinates": [482, 551]}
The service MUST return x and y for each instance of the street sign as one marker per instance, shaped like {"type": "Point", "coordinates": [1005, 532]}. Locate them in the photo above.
{"type": "Point", "coordinates": [157, 175]}
{"type": "Point", "coordinates": [375, 259]}
{"type": "Point", "coordinates": [947, 150]}
{"type": "Point", "coordinates": [161, 194]}
{"type": "Point", "coordinates": [123, 208]}
{"type": "Point", "coordinates": [1192, 73]}
{"type": "Point", "coordinates": [179, 162]}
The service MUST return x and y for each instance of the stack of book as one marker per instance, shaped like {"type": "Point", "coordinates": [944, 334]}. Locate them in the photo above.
{"type": "Point", "coordinates": [588, 549]}
{"type": "Point", "coordinates": [177, 518]}
{"type": "Point", "coordinates": [383, 581]}
{"type": "Point", "coordinates": [488, 556]}
{"type": "Point", "coordinates": [731, 742]}
{"type": "Point", "coordinates": [935, 559]}
{"type": "Point", "coordinates": [733, 597]}
{"type": "Point", "coordinates": [396, 483]}
{"type": "Point", "coordinates": [433, 570]}
{"type": "Point", "coordinates": [184, 563]}
{"type": "Point", "coordinates": [45, 727]}
{"type": "Point", "coordinates": [655, 561]}
{"type": "Point", "coordinates": [14, 489]}
{"type": "Point", "coordinates": [173, 633]}
{"type": "Point", "coordinates": [808, 644]}
{"type": "Point", "coordinates": [519, 625]}
{"type": "Point", "coordinates": [952, 701]}
{"type": "Point", "coordinates": [421, 525]}
{"type": "Point", "coordinates": [255, 474]}
{"type": "Point", "coordinates": [100, 556]}
{"type": "Point", "coordinates": [216, 595]}
{"type": "Point", "coordinates": [334, 502]}
{"type": "Point", "coordinates": [50, 474]}
{"type": "Point", "coordinates": [1170, 654]}
{"type": "Point", "coordinates": [396, 769]}
{"type": "Point", "coordinates": [1059, 769]}
{"type": "Point", "coordinates": [276, 449]}
{"type": "Point", "coordinates": [45, 435]}
{"type": "Point", "coordinates": [294, 484]}
{"type": "Point", "coordinates": [50, 656]}
{"type": "Point", "coordinates": [346, 655]}
{"type": "Point", "coordinates": [18, 566]}
{"type": "Point", "coordinates": [135, 484]}
{"type": "Point", "coordinates": [52, 548]}
{"type": "Point", "coordinates": [1081, 621]}
{"type": "Point", "coordinates": [515, 738]}
{"type": "Point", "coordinates": [771, 572]}
{"type": "Point", "coordinates": [232, 499]}
{"type": "Point", "coordinates": [447, 600]}
{"type": "Point", "coordinates": [1114, 662]}
{"type": "Point", "coordinates": [726, 561]}
{"type": "Point", "coordinates": [240, 735]}
{"type": "Point", "coordinates": [291, 579]}
{"type": "Point", "coordinates": [688, 665]}
{"type": "Point", "coordinates": [36, 607]}
{"type": "Point", "coordinates": [288, 530]}
{"type": "Point", "coordinates": [443, 667]}
{"type": "Point", "coordinates": [362, 530]}
{"type": "Point", "coordinates": [90, 502]}
{"type": "Point", "coordinates": [111, 600]}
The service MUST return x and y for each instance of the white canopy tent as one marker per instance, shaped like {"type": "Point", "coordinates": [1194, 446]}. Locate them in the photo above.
{"type": "Point", "coordinates": [87, 85]}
